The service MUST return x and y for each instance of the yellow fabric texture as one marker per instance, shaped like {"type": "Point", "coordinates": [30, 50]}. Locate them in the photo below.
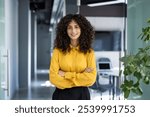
{"type": "Point", "coordinates": [73, 64]}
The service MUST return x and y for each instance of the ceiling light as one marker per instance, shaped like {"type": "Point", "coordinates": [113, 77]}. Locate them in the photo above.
{"type": "Point", "coordinates": [106, 3]}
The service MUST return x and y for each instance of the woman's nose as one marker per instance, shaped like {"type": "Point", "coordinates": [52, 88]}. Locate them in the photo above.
{"type": "Point", "coordinates": [73, 30]}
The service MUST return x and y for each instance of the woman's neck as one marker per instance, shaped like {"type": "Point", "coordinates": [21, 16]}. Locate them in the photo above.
{"type": "Point", "coordinates": [74, 43]}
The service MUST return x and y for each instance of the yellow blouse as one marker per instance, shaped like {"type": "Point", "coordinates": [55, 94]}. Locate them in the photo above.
{"type": "Point", "coordinates": [73, 64]}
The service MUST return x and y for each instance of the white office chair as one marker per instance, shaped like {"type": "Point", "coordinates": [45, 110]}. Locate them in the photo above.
{"type": "Point", "coordinates": [103, 81]}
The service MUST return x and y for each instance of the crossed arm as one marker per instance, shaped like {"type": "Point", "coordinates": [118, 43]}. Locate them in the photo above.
{"type": "Point", "coordinates": [64, 80]}
{"type": "Point", "coordinates": [88, 70]}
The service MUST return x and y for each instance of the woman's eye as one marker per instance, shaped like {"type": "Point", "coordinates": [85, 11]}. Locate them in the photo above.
{"type": "Point", "coordinates": [76, 26]}
{"type": "Point", "coordinates": [69, 27]}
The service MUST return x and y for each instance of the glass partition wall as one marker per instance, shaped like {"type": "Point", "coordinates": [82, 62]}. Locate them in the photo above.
{"type": "Point", "coordinates": [3, 54]}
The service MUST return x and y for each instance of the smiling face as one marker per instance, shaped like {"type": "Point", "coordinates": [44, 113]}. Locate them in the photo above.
{"type": "Point", "coordinates": [73, 31]}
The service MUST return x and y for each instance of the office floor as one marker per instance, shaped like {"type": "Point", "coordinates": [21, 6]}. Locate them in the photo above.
{"type": "Point", "coordinates": [41, 89]}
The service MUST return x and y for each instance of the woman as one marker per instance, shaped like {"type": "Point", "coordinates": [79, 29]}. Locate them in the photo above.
{"type": "Point", "coordinates": [73, 67]}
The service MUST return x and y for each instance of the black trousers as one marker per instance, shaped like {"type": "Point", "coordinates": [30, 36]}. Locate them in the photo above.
{"type": "Point", "coordinates": [75, 93]}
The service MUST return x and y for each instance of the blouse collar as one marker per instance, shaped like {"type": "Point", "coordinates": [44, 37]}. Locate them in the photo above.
{"type": "Point", "coordinates": [76, 48]}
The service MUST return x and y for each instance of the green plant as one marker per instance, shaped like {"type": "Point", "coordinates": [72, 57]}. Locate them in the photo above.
{"type": "Point", "coordinates": [137, 66]}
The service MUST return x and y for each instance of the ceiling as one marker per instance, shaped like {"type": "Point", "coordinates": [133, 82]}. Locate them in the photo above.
{"type": "Point", "coordinates": [43, 8]}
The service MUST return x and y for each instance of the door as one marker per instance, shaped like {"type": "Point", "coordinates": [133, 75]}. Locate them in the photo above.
{"type": "Point", "coordinates": [3, 55]}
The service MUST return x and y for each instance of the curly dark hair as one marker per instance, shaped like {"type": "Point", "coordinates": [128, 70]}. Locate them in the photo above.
{"type": "Point", "coordinates": [62, 40]}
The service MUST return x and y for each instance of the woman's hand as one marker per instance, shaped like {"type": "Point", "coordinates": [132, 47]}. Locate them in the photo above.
{"type": "Point", "coordinates": [61, 73]}
{"type": "Point", "coordinates": [88, 69]}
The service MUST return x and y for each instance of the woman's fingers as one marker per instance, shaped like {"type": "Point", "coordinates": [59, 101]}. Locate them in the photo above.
{"type": "Point", "coordinates": [89, 69]}
{"type": "Point", "coordinates": [61, 73]}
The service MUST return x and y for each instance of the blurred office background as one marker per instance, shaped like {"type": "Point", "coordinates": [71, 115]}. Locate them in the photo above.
{"type": "Point", "coordinates": [27, 33]}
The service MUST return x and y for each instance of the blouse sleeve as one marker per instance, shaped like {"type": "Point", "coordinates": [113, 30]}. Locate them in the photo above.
{"type": "Point", "coordinates": [55, 78]}
{"type": "Point", "coordinates": [84, 78]}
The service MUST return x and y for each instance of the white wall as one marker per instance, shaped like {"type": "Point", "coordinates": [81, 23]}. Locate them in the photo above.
{"type": "Point", "coordinates": [24, 44]}
{"type": "Point", "coordinates": [11, 34]}
{"type": "Point", "coordinates": [107, 23]}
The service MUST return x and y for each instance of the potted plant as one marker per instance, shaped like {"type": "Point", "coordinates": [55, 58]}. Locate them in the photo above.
{"type": "Point", "coordinates": [137, 66]}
